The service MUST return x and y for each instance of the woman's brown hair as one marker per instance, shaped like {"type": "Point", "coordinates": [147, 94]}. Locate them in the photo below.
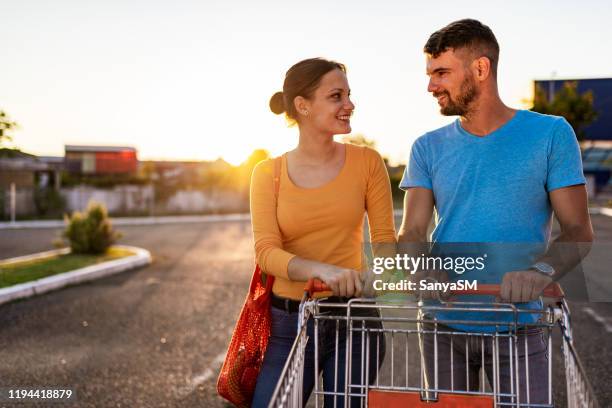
{"type": "Point", "coordinates": [302, 79]}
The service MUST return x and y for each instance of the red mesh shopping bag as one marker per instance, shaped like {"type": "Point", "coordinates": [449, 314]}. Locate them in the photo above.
{"type": "Point", "coordinates": [247, 347]}
{"type": "Point", "coordinates": [245, 354]}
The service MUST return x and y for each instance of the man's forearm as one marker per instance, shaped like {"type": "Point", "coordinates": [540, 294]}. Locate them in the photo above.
{"type": "Point", "coordinates": [413, 241]}
{"type": "Point", "coordinates": [568, 250]}
{"type": "Point", "coordinates": [412, 235]}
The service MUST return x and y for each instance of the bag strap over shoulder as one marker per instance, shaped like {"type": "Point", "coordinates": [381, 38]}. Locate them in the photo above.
{"type": "Point", "coordinates": [276, 178]}
{"type": "Point", "coordinates": [277, 173]}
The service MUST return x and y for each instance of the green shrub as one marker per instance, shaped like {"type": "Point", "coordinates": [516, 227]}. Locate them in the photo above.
{"type": "Point", "coordinates": [49, 202]}
{"type": "Point", "coordinates": [90, 232]}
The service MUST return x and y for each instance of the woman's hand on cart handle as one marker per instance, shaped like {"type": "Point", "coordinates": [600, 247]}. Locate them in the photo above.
{"type": "Point", "coordinates": [553, 291]}
{"type": "Point", "coordinates": [316, 285]}
{"type": "Point", "coordinates": [341, 281]}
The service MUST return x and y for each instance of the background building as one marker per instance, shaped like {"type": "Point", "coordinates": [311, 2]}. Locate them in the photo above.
{"type": "Point", "coordinates": [100, 160]}
{"type": "Point", "coordinates": [597, 145]}
{"type": "Point", "coordinates": [23, 176]}
{"type": "Point", "coordinates": [601, 128]}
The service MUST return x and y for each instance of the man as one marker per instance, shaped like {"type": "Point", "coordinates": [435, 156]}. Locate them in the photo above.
{"type": "Point", "coordinates": [495, 175]}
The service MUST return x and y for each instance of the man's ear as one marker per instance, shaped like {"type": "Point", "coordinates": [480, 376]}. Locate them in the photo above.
{"type": "Point", "coordinates": [482, 68]}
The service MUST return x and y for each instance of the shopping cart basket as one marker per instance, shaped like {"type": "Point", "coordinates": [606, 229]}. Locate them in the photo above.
{"type": "Point", "coordinates": [412, 375]}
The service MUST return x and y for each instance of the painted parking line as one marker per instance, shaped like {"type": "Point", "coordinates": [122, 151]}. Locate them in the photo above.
{"type": "Point", "coordinates": [201, 378]}
{"type": "Point", "coordinates": [606, 322]}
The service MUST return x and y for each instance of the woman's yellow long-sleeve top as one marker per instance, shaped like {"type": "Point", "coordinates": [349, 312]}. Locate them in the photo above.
{"type": "Point", "coordinates": [322, 224]}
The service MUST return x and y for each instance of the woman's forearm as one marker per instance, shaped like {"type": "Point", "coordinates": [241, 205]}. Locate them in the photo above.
{"type": "Point", "coordinates": [301, 270]}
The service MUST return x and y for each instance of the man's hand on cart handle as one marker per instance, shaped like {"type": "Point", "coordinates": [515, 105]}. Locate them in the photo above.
{"type": "Point", "coordinates": [523, 286]}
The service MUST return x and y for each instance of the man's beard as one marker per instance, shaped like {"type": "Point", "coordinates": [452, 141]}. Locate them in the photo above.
{"type": "Point", "coordinates": [461, 106]}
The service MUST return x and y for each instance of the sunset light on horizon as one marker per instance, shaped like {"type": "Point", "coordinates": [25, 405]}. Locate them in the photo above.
{"type": "Point", "coordinates": [191, 80]}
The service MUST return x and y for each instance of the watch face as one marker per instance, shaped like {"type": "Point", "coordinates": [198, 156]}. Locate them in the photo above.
{"type": "Point", "coordinates": [544, 268]}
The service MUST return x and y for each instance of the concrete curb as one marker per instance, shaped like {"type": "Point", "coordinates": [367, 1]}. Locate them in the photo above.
{"type": "Point", "coordinates": [89, 273]}
{"type": "Point", "coordinates": [33, 257]}
{"type": "Point", "coordinates": [179, 219]}
{"type": "Point", "coordinates": [601, 210]}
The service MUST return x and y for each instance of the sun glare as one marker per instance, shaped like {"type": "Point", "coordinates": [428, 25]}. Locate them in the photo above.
{"type": "Point", "coordinates": [235, 156]}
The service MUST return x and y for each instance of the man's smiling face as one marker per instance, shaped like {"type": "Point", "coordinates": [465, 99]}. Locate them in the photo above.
{"type": "Point", "coordinates": [451, 82]}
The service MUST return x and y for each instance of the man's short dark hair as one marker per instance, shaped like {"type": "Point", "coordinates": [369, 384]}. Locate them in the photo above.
{"type": "Point", "coordinates": [467, 34]}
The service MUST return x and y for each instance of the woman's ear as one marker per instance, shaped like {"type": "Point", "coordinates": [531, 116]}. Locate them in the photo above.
{"type": "Point", "coordinates": [302, 105]}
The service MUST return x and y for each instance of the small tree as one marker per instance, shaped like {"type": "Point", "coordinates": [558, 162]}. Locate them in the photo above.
{"type": "Point", "coordinates": [576, 108]}
{"type": "Point", "coordinates": [359, 140]}
{"type": "Point", "coordinates": [6, 126]}
{"type": "Point", "coordinates": [245, 170]}
{"type": "Point", "coordinates": [91, 232]}
{"type": "Point", "coordinates": [255, 157]}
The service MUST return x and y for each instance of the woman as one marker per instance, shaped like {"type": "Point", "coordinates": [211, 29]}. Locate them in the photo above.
{"type": "Point", "coordinates": [315, 229]}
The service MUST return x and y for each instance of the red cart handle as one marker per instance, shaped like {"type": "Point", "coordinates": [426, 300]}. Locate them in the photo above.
{"type": "Point", "coordinates": [316, 285]}
{"type": "Point", "coordinates": [553, 290]}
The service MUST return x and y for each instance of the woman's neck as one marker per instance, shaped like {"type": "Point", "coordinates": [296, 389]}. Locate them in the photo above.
{"type": "Point", "coordinates": [315, 148]}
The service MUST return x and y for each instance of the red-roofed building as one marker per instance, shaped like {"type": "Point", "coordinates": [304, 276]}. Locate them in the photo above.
{"type": "Point", "coordinates": [100, 159]}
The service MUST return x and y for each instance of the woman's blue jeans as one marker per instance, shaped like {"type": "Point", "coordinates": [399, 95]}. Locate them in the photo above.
{"type": "Point", "coordinates": [283, 334]}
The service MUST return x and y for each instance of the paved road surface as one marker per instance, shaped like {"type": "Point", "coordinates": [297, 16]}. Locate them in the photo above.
{"type": "Point", "coordinates": [156, 336]}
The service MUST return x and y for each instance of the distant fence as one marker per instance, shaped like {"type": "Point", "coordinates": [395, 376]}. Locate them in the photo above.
{"type": "Point", "coordinates": [24, 202]}
{"type": "Point", "coordinates": [120, 199]}
{"type": "Point", "coordinates": [210, 201]}
{"type": "Point", "coordinates": [131, 200]}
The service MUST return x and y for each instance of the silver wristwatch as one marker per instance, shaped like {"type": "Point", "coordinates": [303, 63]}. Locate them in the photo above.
{"type": "Point", "coordinates": [544, 268]}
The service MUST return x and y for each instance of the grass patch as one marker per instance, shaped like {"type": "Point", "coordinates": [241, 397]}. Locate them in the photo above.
{"type": "Point", "coordinates": [22, 272]}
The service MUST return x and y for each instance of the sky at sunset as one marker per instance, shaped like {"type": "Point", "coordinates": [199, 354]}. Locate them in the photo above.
{"type": "Point", "coordinates": [191, 80]}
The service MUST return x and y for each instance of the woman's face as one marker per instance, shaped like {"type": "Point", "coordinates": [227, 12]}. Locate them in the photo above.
{"type": "Point", "coordinates": [330, 108]}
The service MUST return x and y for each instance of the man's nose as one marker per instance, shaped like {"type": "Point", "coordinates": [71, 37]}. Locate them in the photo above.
{"type": "Point", "coordinates": [431, 86]}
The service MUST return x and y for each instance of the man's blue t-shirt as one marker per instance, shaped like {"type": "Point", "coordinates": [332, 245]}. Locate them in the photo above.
{"type": "Point", "coordinates": [494, 189]}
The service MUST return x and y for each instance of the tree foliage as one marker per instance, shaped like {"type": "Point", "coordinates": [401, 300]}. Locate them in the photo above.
{"type": "Point", "coordinates": [359, 140]}
{"type": "Point", "coordinates": [576, 108]}
{"type": "Point", "coordinates": [245, 170]}
{"type": "Point", "coordinates": [6, 126]}
{"type": "Point", "coordinates": [255, 157]}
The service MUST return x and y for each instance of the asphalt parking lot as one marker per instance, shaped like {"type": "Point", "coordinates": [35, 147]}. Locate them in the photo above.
{"type": "Point", "coordinates": [156, 336]}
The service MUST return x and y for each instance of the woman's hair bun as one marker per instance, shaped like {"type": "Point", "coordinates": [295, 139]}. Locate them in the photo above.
{"type": "Point", "coordinates": [277, 104]}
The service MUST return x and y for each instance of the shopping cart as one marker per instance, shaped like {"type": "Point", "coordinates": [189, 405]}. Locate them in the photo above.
{"type": "Point", "coordinates": [415, 372]}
